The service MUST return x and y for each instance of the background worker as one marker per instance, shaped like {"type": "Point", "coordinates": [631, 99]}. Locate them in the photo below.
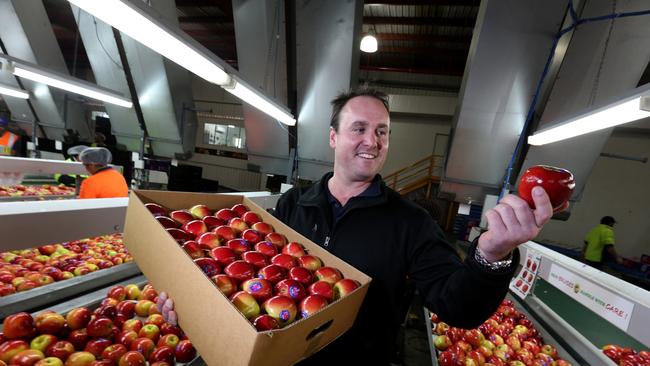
{"type": "Point", "coordinates": [104, 182]}
{"type": "Point", "coordinates": [73, 155]}
{"type": "Point", "coordinates": [599, 244]}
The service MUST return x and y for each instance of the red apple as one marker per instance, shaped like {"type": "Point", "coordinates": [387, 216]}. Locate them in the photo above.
{"type": "Point", "coordinates": [226, 214]}
{"type": "Point", "coordinates": [251, 218]}
{"type": "Point", "coordinates": [302, 275]}
{"type": "Point", "coordinates": [181, 216]}
{"type": "Point", "coordinates": [155, 319]}
{"type": "Point", "coordinates": [114, 352]}
{"type": "Point", "coordinates": [238, 225]}
{"type": "Point", "coordinates": [226, 285]}
{"type": "Point", "coordinates": [132, 324]}
{"type": "Point", "coordinates": [209, 266]}
{"type": "Point", "coordinates": [11, 348]}
{"type": "Point", "coordinates": [549, 350]}
{"type": "Point", "coordinates": [208, 241]}
{"type": "Point", "coordinates": [277, 239]}
{"type": "Point", "coordinates": [117, 292]}
{"type": "Point", "coordinates": [246, 304]}
{"type": "Point", "coordinates": [167, 328]}
{"type": "Point", "coordinates": [132, 358]}
{"type": "Point", "coordinates": [27, 358]}
{"type": "Point", "coordinates": [49, 361]}
{"type": "Point", "coordinates": [156, 209]}
{"type": "Point", "coordinates": [212, 222]}
{"type": "Point", "coordinates": [132, 292]}
{"type": "Point", "coordinates": [42, 342]}
{"type": "Point", "coordinates": [239, 246]}
{"type": "Point", "coordinates": [170, 340]}
{"type": "Point", "coordinates": [322, 288]}
{"type": "Point", "coordinates": [126, 337]}
{"type": "Point", "coordinates": [225, 233]}
{"type": "Point", "coordinates": [150, 331]}
{"type": "Point", "coordinates": [60, 349]}
{"type": "Point", "coordinates": [273, 273]}
{"type": "Point", "coordinates": [344, 287]}
{"type": "Point", "coordinates": [142, 307]}
{"type": "Point", "coordinates": [294, 249]}
{"type": "Point", "coordinates": [292, 289]}
{"type": "Point", "coordinates": [167, 223]}
{"type": "Point", "coordinates": [143, 345]}
{"type": "Point", "coordinates": [239, 209]}
{"type": "Point", "coordinates": [49, 322]}
{"type": "Point", "coordinates": [442, 342]}
{"type": "Point", "coordinates": [284, 260]}
{"type": "Point", "coordinates": [20, 325]}
{"type": "Point", "coordinates": [97, 346]}
{"type": "Point", "coordinates": [328, 274]}
{"type": "Point", "coordinates": [193, 249]}
{"type": "Point", "coordinates": [266, 248]}
{"type": "Point", "coordinates": [162, 354]}
{"type": "Point", "coordinates": [239, 270]}
{"type": "Point", "coordinates": [310, 262]}
{"type": "Point", "coordinates": [200, 211]}
{"type": "Point", "coordinates": [195, 227]}
{"type": "Point", "coordinates": [282, 308]}
{"type": "Point", "coordinates": [260, 288]}
{"type": "Point", "coordinates": [257, 259]}
{"type": "Point", "coordinates": [557, 182]}
{"type": "Point", "coordinates": [263, 228]}
{"type": "Point", "coordinates": [80, 359]}
{"type": "Point", "coordinates": [181, 236]}
{"type": "Point", "coordinates": [223, 255]}
{"type": "Point", "coordinates": [185, 351]}
{"type": "Point", "coordinates": [265, 322]}
{"type": "Point", "coordinates": [252, 236]}
{"type": "Point", "coordinates": [100, 327]}
{"type": "Point", "coordinates": [311, 304]}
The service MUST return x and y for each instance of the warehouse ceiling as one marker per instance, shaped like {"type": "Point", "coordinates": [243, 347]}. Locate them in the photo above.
{"type": "Point", "coordinates": [423, 44]}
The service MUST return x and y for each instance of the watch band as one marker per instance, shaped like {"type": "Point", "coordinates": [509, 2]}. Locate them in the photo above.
{"type": "Point", "coordinates": [492, 265]}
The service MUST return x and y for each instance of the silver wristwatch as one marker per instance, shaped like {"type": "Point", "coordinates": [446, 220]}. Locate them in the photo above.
{"type": "Point", "coordinates": [492, 265]}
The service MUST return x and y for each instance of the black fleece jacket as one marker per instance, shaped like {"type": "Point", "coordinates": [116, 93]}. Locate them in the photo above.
{"type": "Point", "coordinates": [389, 238]}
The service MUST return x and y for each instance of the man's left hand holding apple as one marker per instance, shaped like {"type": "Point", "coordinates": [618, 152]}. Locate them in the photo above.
{"type": "Point", "coordinates": [512, 222]}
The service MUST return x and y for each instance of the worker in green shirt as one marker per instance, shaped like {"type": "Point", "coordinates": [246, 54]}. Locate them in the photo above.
{"type": "Point", "coordinates": [73, 155]}
{"type": "Point", "coordinates": [599, 244]}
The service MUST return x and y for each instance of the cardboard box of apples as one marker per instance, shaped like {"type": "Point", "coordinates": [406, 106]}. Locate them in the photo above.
{"type": "Point", "coordinates": [244, 296]}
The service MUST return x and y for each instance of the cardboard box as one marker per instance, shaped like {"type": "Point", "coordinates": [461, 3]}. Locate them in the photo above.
{"type": "Point", "coordinates": [221, 334]}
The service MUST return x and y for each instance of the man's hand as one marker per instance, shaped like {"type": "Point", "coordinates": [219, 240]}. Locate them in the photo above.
{"type": "Point", "coordinates": [512, 222]}
{"type": "Point", "coordinates": [166, 307]}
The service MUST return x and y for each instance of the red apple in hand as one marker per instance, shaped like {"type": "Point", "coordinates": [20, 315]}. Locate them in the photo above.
{"type": "Point", "coordinates": [557, 182]}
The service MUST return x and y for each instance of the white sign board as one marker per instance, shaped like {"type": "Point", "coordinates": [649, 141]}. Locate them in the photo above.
{"type": "Point", "coordinates": [522, 284]}
{"type": "Point", "coordinates": [608, 305]}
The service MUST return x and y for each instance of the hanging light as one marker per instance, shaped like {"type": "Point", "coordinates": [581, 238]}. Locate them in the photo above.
{"type": "Point", "coordinates": [369, 43]}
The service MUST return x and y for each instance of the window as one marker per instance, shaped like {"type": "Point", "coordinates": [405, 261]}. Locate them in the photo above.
{"type": "Point", "coordinates": [224, 135]}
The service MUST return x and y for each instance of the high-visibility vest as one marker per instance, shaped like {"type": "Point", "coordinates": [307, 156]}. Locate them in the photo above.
{"type": "Point", "coordinates": [7, 141]}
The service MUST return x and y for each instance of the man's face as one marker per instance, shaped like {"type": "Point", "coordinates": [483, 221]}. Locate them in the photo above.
{"type": "Point", "coordinates": [361, 143]}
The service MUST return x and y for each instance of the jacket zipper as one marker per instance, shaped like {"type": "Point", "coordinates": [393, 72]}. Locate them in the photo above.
{"type": "Point", "coordinates": [327, 241]}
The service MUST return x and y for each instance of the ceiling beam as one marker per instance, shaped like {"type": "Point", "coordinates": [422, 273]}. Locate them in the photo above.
{"type": "Point", "coordinates": [419, 69]}
{"type": "Point", "coordinates": [434, 21]}
{"type": "Point", "coordinates": [424, 51]}
{"type": "Point", "coordinates": [224, 5]}
{"type": "Point", "coordinates": [424, 2]}
{"type": "Point", "coordinates": [410, 85]}
{"type": "Point", "coordinates": [423, 38]}
{"type": "Point", "coordinates": [205, 19]}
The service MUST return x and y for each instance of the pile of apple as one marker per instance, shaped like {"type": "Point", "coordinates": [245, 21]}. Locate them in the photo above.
{"type": "Point", "coordinates": [508, 337]}
{"type": "Point", "coordinates": [22, 270]}
{"type": "Point", "coordinates": [626, 356]}
{"type": "Point", "coordinates": [37, 190]}
{"type": "Point", "coordinates": [270, 281]}
{"type": "Point", "coordinates": [125, 330]}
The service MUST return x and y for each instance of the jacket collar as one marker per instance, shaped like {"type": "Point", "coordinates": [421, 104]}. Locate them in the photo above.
{"type": "Point", "coordinates": [317, 194]}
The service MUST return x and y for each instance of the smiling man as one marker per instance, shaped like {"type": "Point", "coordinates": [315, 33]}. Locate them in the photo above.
{"type": "Point", "coordinates": [354, 215]}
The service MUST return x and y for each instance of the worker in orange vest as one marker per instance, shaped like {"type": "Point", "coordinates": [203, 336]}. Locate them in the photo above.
{"type": "Point", "coordinates": [8, 139]}
{"type": "Point", "coordinates": [104, 182]}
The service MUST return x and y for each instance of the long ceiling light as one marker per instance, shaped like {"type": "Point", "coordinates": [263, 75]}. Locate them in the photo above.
{"type": "Point", "coordinates": [14, 92]}
{"type": "Point", "coordinates": [138, 21]}
{"type": "Point", "coordinates": [635, 106]}
{"type": "Point", "coordinates": [69, 83]}
{"type": "Point", "coordinates": [244, 92]}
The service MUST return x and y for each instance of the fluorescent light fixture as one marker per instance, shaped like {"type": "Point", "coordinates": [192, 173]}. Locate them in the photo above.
{"type": "Point", "coordinates": [69, 83]}
{"type": "Point", "coordinates": [155, 34]}
{"type": "Point", "coordinates": [628, 109]}
{"type": "Point", "coordinates": [369, 44]}
{"type": "Point", "coordinates": [257, 100]}
{"type": "Point", "coordinates": [14, 92]}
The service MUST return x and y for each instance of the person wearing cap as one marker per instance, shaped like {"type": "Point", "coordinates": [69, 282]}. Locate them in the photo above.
{"type": "Point", "coordinates": [73, 155]}
{"type": "Point", "coordinates": [104, 181]}
{"type": "Point", "coordinates": [599, 243]}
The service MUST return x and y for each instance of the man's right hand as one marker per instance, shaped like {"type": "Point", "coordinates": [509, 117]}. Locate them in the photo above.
{"type": "Point", "coordinates": [166, 307]}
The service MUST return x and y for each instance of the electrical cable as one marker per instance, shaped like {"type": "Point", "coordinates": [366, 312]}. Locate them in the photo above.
{"type": "Point", "coordinates": [102, 46]}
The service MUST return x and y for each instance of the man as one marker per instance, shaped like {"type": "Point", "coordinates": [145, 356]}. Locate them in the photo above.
{"type": "Point", "coordinates": [600, 241]}
{"type": "Point", "coordinates": [8, 140]}
{"type": "Point", "coordinates": [73, 155]}
{"type": "Point", "coordinates": [352, 214]}
{"type": "Point", "coordinates": [104, 182]}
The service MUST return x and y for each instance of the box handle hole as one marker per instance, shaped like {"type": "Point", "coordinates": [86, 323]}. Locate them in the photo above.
{"type": "Point", "coordinates": [319, 329]}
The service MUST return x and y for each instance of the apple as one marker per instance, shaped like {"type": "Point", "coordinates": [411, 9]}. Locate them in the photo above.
{"type": "Point", "coordinates": [132, 292]}
{"type": "Point", "coordinates": [167, 328]}
{"type": "Point", "coordinates": [162, 354]}
{"type": "Point", "coordinates": [181, 236]}
{"type": "Point", "coordinates": [49, 322]}
{"type": "Point", "coordinates": [114, 352]}
{"type": "Point", "coordinates": [310, 262]}
{"type": "Point", "coordinates": [117, 292]}
{"type": "Point", "coordinates": [132, 324]}
{"type": "Point", "coordinates": [265, 322]}
{"type": "Point", "coordinates": [49, 361]}
{"type": "Point", "coordinates": [42, 342]}
{"type": "Point", "coordinates": [442, 342]}
{"type": "Point", "coordinates": [97, 346]}
{"type": "Point", "coordinates": [150, 331]}
{"type": "Point", "coordinates": [226, 285]}
{"type": "Point", "coordinates": [239, 246]}
{"type": "Point", "coordinates": [448, 358]}
{"type": "Point", "coordinates": [561, 362]}
{"type": "Point", "coordinates": [294, 249]}
{"type": "Point", "coordinates": [212, 222]}
{"type": "Point", "coordinates": [328, 274]}
{"type": "Point", "coordinates": [311, 304]}
{"type": "Point", "coordinates": [260, 288]}
{"type": "Point", "coordinates": [282, 308]}
{"type": "Point", "coordinates": [344, 287]}
{"type": "Point", "coordinates": [240, 270]}
{"type": "Point", "coordinates": [143, 345]}
{"type": "Point", "coordinates": [284, 260]}
{"type": "Point", "coordinates": [240, 209]}
{"type": "Point", "coordinates": [223, 255]}
{"type": "Point", "coordinates": [266, 248]}
{"type": "Point", "coordinates": [252, 236]}
{"type": "Point", "coordinates": [170, 340]}
{"type": "Point", "coordinates": [100, 327]}
{"type": "Point", "coordinates": [442, 328]}
{"type": "Point", "coordinates": [238, 225]}
{"type": "Point", "coordinates": [322, 288]}
{"type": "Point", "coordinates": [557, 182]}
{"type": "Point", "coordinates": [181, 216]}
{"type": "Point", "coordinates": [132, 358]}
{"type": "Point", "coordinates": [263, 228]}
{"type": "Point", "coordinates": [7, 289]}
{"type": "Point", "coordinates": [273, 273]}
{"type": "Point", "coordinates": [106, 311]}
{"type": "Point", "coordinates": [142, 307]}
{"type": "Point", "coordinates": [200, 211]}
{"type": "Point", "coordinates": [156, 209]}
{"type": "Point", "coordinates": [80, 359]}
{"type": "Point", "coordinates": [208, 241]}
{"type": "Point", "coordinates": [185, 351]}
{"type": "Point", "coordinates": [226, 214]}
{"type": "Point", "coordinates": [209, 266]}
{"type": "Point", "coordinates": [193, 249]}
{"type": "Point", "coordinates": [277, 239]}
{"type": "Point", "coordinates": [246, 304]}
{"type": "Point", "coordinates": [126, 337]}
{"type": "Point", "coordinates": [11, 348]}
{"type": "Point", "coordinates": [195, 227]}
{"type": "Point", "coordinates": [60, 349]}
{"type": "Point", "coordinates": [524, 356]}
{"type": "Point", "coordinates": [155, 319]}
{"type": "Point", "coordinates": [27, 358]}
{"type": "Point", "coordinates": [251, 218]}
{"type": "Point", "coordinates": [167, 223]}
{"type": "Point", "coordinates": [292, 289]}
{"type": "Point", "coordinates": [257, 259]}
{"type": "Point", "coordinates": [549, 350]}
{"type": "Point", "coordinates": [19, 325]}
{"type": "Point", "coordinates": [302, 275]}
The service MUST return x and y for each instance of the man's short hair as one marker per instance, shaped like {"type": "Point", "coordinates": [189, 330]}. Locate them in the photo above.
{"type": "Point", "coordinates": [96, 156]}
{"type": "Point", "coordinates": [607, 220]}
{"type": "Point", "coordinates": [342, 99]}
